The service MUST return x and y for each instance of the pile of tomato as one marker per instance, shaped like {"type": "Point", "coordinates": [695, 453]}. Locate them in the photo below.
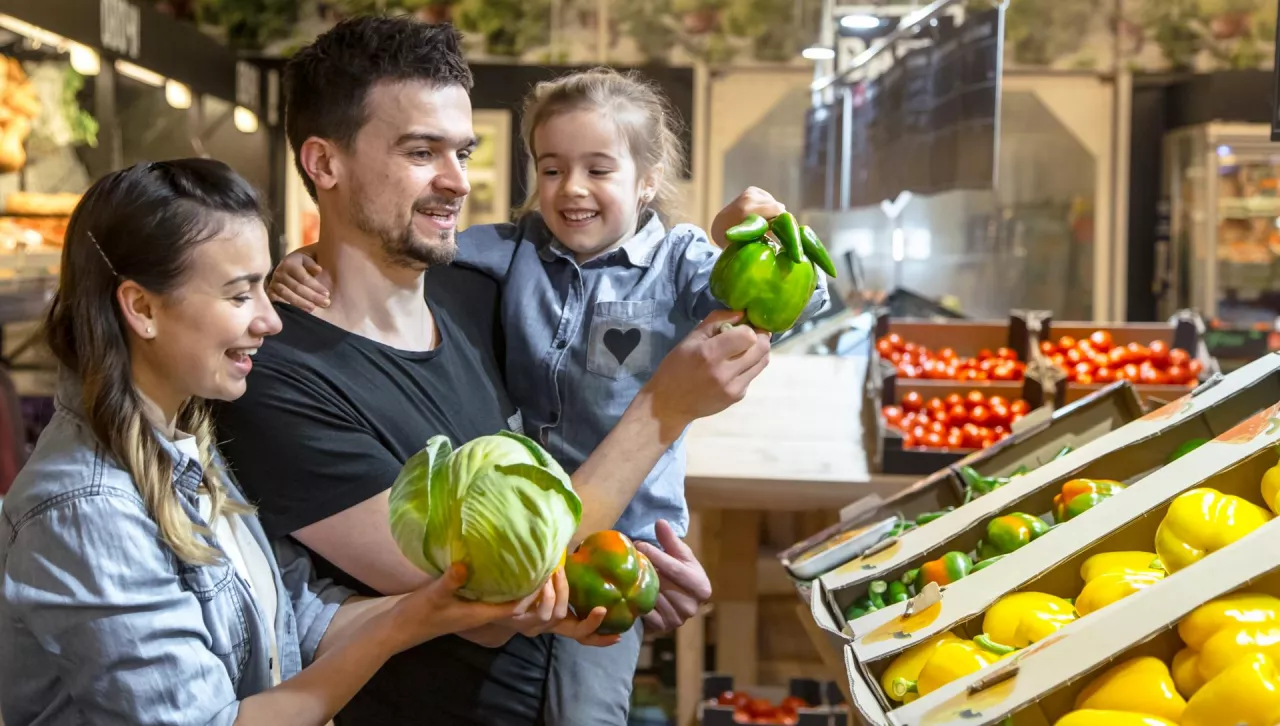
{"type": "Point", "coordinates": [917, 361]}
{"type": "Point", "coordinates": [760, 710]}
{"type": "Point", "coordinates": [972, 421]}
{"type": "Point", "coordinates": [1097, 359]}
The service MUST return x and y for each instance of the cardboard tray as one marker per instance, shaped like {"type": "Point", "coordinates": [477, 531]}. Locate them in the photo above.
{"type": "Point", "coordinates": [1233, 463]}
{"type": "Point", "coordinates": [1040, 684]}
{"type": "Point", "coordinates": [1033, 444]}
{"type": "Point", "coordinates": [1129, 454]}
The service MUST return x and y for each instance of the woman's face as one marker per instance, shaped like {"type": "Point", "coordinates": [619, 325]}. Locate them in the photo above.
{"type": "Point", "coordinates": [204, 333]}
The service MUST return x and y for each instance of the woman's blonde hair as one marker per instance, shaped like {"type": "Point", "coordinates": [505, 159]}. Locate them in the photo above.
{"type": "Point", "coordinates": [648, 124]}
{"type": "Point", "coordinates": [142, 224]}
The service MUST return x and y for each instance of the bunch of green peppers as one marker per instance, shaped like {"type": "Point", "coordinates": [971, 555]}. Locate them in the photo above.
{"type": "Point", "coordinates": [906, 525]}
{"type": "Point", "coordinates": [976, 485]}
{"type": "Point", "coordinates": [767, 271]}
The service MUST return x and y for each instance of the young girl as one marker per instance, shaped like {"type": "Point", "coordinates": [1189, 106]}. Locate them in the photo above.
{"type": "Point", "coordinates": [596, 290]}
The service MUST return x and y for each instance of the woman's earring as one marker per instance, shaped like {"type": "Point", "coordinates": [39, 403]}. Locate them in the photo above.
{"type": "Point", "coordinates": [148, 330]}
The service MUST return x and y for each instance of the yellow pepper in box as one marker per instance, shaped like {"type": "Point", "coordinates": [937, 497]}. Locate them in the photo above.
{"type": "Point", "coordinates": [1246, 693]}
{"type": "Point", "coordinates": [1093, 717]}
{"type": "Point", "coordinates": [1102, 563]}
{"type": "Point", "coordinates": [1186, 672]}
{"type": "Point", "coordinates": [949, 661]}
{"type": "Point", "coordinates": [1138, 685]}
{"type": "Point", "coordinates": [1232, 645]}
{"type": "Point", "coordinates": [1271, 488]}
{"type": "Point", "coordinates": [1020, 619]}
{"type": "Point", "coordinates": [906, 667]}
{"type": "Point", "coordinates": [1228, 611]}
{"type": "Point", "coordinates": [1109, 587]}
{"type": "Point", "coordinates": [1203, 521]}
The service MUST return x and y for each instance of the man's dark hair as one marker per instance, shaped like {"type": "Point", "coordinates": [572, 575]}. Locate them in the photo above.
{"type": "Point", "coordinates": [326, 83]}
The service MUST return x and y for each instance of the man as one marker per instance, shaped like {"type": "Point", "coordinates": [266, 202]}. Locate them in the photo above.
{"type": "Point", "coordinates": [379, 119]}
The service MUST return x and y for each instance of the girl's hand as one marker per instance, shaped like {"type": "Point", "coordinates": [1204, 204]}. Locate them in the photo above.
{"type": "Point", "coordinates": [550, 613]}
{"type": "Point", "coordinates": [435, 609]}
{"type": "Point", "coordinates": [753, 200]}
{"type": "Point", "coordinates": [296, 281]}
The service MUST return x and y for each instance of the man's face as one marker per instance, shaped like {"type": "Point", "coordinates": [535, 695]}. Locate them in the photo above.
{"type": "Point", "coordinates": [405, 173]}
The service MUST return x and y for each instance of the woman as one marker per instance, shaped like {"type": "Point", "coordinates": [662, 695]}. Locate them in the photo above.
{"type": "Point", "coordinates": [137, 586]}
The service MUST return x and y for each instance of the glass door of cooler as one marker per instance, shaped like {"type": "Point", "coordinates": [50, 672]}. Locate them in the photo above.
{"type": "Point", "coordinates": [1222, 257]}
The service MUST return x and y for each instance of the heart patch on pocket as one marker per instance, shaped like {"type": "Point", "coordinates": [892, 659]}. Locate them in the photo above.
{"type": "Point", "coordinates": [621, 342]}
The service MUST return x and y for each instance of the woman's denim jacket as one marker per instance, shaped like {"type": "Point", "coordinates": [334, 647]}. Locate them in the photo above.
{"type": "Point", "coordinates": [101, 624]}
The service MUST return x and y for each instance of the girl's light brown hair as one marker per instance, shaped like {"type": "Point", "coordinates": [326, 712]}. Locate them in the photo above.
{"type": "Point", "coordinates": [648, 124]}
{"type": "Point", "coordinates": [142, 224]}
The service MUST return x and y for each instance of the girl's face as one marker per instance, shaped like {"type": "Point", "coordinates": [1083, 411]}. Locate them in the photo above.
{"type": "Point", "coordinates": [589, 189]}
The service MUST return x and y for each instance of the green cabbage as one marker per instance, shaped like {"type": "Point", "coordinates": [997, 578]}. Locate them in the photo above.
{"type": "Point", "coordinates": [499, 503]}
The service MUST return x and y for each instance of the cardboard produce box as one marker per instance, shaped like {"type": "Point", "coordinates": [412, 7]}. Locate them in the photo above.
{"type": "Point", "coordinates": [1233, 464]}
{"type": "Point", "coordinates": [1042, 437]}
{"type": "Point", "coordinates": [1041, 683]}
{"type": "Point", "coordinates": [1128, 455]}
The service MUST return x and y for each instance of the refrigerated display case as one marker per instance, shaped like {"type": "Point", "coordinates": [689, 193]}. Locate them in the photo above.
{"type": "Point", "coordinates": [1222, 256]}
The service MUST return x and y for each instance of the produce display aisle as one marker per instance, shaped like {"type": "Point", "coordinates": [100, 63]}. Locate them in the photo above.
{"type": "Point", "coordinates": [955, 616]}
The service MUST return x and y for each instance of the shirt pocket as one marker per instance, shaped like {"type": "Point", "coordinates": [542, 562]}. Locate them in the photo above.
{"type": "Point", "coordinates": [620, 343]}
{"type": "Point", "coordinates": [223, 608]}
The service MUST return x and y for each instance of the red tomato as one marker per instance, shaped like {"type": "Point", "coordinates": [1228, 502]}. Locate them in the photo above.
{"type": "Point", "coordinates": [885, 348]}
{"type": "Point", "coordinates": [999, 430]}
{"type": "Point", "coordinates": [1005, 372]}
{"type": "Point", "coordinates": [980, 415]}
{"type": "Point", "coordinates": [935, 440]}
{"type": "Point", "coordinates": [913, 401]}
{"type": "Point", "coordinates": [1048, 347]}
{"type": "Point", "coordinates": [935, 404]}
{"type": "Point", "coordinates": [894, 339]}
{"type": "Point", "coordinates": [895, 357]}
{"type": "Point", "coordinates": [1195, 367]}
{"type": "Point", "coordinates": [1074, 356]}
{"type": "Point", "coordinates": [1179, 357]}
{"type": "Point", "coordinates": [906, 370]}
{"type": "Point", "coordinates": [1138, 353]}
{"type": "Point", "coordinates": [1104, 374]}
{"type": "Point", "coordinates": [1084, 379]}
{"type": "Point", "coordinates": [997, 401]}
{"type": "Point", "coordinates": [1059, 360]}
{"type": "Point", "coordinates": [919, 431]}
{"type": "Point", "coordinates": [1084, 368]}
{"type": "Point", "coordinates": [1007, 354]}
{"type": "Point", "coordinates": [733, 698]}
{"type": "Point", "coordinates": [947, 354]}
{"type": "Point", "coordinates": [954, 400]}
{"type": "Point", "coordinates": [955, 439]}
{"type": "Point", "coordinates": [953, 372]}
{"type": "Point", "coordinates": [892, 415]}
{"type": "Point", "coordinates": [984, 354]}
{"type": "Point", "coordinates": [1160, 353]}
{"type": "Point", "coordinates": [975, 398]}
{"type": "Point", "coordinates": [989, 364]}
{"type": "Point", "coordinates": [942, 417]}
{"type": "Point", "coordinates": [937, 427]}
{"type": "Point", "coordinates": [972, 435]}
{"type": "Point", "coordinates": [1086, 349]}
{"type": "Point", "coordinates": [1066, 342]}
{"type": "Point", "coordinates": [908, 441]}
{"type": "Point", "coordinates": [1020, 408]}
{"type": "Point", "coordinates": [1130, 372]}
{"type": "Point", "coordinates": [910, 347]}
{"type": "Point", "coordinates": [1178, 374]}
{"type": "Point", "coordinates": [1000, 415]}
{"type": "Point", "coordinates": [1118, 356]}
{"type": "Point", "coordinates": [1101, 340]}
{"type": "Point", "coordinates": [988, 442]}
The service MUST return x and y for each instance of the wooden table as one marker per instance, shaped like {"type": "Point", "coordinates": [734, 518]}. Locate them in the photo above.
{"type": "Point", "coordinates": [795, 443]}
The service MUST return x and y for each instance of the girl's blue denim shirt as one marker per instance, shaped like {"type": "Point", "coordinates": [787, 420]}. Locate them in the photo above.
{"type": "Point", "coordinates": [101, 624]}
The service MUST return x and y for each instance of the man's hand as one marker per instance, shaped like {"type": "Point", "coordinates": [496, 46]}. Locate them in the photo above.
{"type": "Point", "coordinates": [752, 201]}
{"type": "Point", "coordinates": [684, 585]}
{"type": "Point", "coordinates": [550, 614]}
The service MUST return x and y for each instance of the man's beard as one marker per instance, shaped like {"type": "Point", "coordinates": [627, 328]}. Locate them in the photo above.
{"type": "Point", "coordinates": [405, 246]}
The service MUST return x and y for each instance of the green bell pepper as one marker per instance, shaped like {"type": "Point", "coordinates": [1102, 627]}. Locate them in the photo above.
{"type": "Point", "coordinates": [897, 593]}
{"type": "Point", "coordinates": [928, 517]}
{"type": "Point", "coordinates": [815, 250]}
{"type": "Point", "coordinates": [608, 571]}
{"type": "Point", "coordinates": [787, 230]}
{"type": "Point", "coordinates": [1011, 531]}
{"type": "Point", "coordinates": [1081, 495]}
{"type": "Point", "coordinates": [1185, 448]}
{"type": "Point", "coordinates": [770, 288]}
{"type": "Point", "coordinates": [984, 564]}
{"type": "Point", "coordinates": [945, 570]}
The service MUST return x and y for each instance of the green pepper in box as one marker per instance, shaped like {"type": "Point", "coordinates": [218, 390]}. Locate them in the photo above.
{"type": "Point", "coordinates": [945, 570]}
{"type": "Point", "coordinates": [607, 571]}
{"type": "Point", "coordinates": [1011, 531]}
{"type": "Point", "coordinates": [1081, 495]}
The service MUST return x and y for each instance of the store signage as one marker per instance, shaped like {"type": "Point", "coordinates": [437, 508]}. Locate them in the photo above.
{"type": "Point", "coordinates": [121, 27]}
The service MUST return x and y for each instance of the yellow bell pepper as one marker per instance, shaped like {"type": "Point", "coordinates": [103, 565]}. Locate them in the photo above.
{"type": "Point", "coordinates": [1186, 672]}
{"type": "Point", "coordinates": [907, 666]}
{"type": "Point", "coordinates": [1203, 521]}
{"type": "Point", "coordinates": [1105, 562]}
{"type": "Point", "coordinates": [949, 661]}
{"type": "Point", "coordinates": [1138, 685]}
{"type": "Point", "coordinates": [1228, 611]}
{"type": "Point", "coordinates": [1109, 587]}
{"type": "Point", "coordinates": [1020, 619]}
{"type": "Point", "coordinates": [1271, 488]}
{"type": "Point", "coordinates": [1093, 717]}
{"type": "Point", "coordinates": [1246, 693]}
{"type": "Point", "coordinates": [1232, 645]}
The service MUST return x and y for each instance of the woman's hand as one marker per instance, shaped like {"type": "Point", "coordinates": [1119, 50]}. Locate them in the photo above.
{"type": "Point", "coordinates": [550, 614]}
{"type": "Point", "coordinates": [683, 583]}
{"type": "Point", "coordinates": [753, 200]}
{"type": "Point", "coordinates": [296, 281]}
{"type": "Point", "coordinates": [435, 609]}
